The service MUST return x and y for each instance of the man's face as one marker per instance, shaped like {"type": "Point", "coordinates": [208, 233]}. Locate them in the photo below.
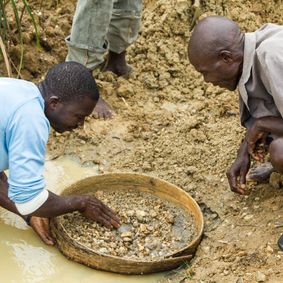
{"type": "Point", "coordinates": [221, 72]}
{"type": "Point", "coordinates": [66, 116]}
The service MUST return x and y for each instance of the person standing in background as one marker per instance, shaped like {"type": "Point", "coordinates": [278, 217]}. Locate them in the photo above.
{"type": "Point", "coordinates": [101, 26]}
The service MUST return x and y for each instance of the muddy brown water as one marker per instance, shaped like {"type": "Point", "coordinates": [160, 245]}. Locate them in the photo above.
{"type": "Point", "coordinates": [25, 259]}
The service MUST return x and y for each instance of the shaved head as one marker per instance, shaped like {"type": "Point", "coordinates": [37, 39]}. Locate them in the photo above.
{"type": "Point", "coordinates": [216, 50]}
{"type": "Point", "coordinates": [213, 34]}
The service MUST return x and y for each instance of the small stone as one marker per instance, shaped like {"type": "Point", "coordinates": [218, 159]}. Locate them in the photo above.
{"type": "Point", "coordinates": [225, 272]}
{"type": "Point", "coordinates": [130, 213]}
{"type": "Point", "coordinates": [248, 217]}
{"type": "Point", "coordinates": [140, 214]}
{"type": "Point", "coordinates": [153, 213]}
{"type": "Point", "coordinates": [240, 280]}
{"type": "Point", "coordinates": [206, 249]}
{"type": "Point", "coordinates": [124, 228]}
{"type": "Point", "coordinates": [103, 250]}
{"type": "Point", "coordinates": [260, 277]}
{"type": "Point", "coordinates": [143, 228]}
{"type": "Point", "coordinates": [214, 215]}
{"type": "Point", "coordinates": [126, 234]}
{"type": "Point", "coordinates": [122, 250]}
{"type": "Point", "coordinates": [269, 249]}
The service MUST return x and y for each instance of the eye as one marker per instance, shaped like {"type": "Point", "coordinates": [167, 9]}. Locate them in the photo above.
{"type": "Point", "coordinates": [80, 117]}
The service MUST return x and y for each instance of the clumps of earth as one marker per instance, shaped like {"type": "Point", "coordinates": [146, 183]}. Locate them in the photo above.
{"type": "Point", "coordinates": [151, 228]}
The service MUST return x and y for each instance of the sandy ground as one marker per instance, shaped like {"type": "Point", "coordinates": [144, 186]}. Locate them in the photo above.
{"type": "Point", "coordinates": [171, 125]}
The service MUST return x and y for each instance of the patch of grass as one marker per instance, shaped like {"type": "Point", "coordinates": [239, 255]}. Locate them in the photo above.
{"type": "Point", "coordinates": [18, 9]}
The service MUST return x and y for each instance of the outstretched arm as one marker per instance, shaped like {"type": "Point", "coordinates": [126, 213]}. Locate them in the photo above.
{"type": "Point", "coordinates": [56, 205]}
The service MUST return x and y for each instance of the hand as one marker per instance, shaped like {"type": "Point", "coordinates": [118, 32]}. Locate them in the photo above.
{"type": "Point", "coordinates": [239, 170]}
{"type": "Point", "coordinates": [99, 212]}
{"type": "Point", "coordinates": [254, 134]}
{"type": "Point", "coordinates": [41, 226]}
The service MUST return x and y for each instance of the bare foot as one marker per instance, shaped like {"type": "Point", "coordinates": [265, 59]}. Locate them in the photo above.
{"type": "Point", "coordinates": [116, 63]}
{"type": "Point", "coordinates": [261, 173]}
{"type": "Point", "coordinates": [102, 110]}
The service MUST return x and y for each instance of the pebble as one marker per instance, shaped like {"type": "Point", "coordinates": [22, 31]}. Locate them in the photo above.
{"type": "Point", "coordinates": [240, 280]}
{"type": "Point", "coordinates": [143, 228]}
{"type": "Point", "coordinates": [269, 249]}
{"type": "Point", "coordinates": [260, 277]}
{"type": "Point", "coordinates": [225, 272]}
{"type": "Point", "coordinates": [103, 250]}
{"type": "Point", "coordinates": [206, 249]}
{"type": "Point", "coordinates": [127, 234]}
{"type": "Point", "coordinates": [248, 217]}
{"type": "Point", "coordinates": [127, 239]}
{"type": "Point", "coordinates": [140, 214]}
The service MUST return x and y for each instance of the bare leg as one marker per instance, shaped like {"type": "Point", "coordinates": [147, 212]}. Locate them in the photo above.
{"type": "Point", "coordinates": [276, 154]}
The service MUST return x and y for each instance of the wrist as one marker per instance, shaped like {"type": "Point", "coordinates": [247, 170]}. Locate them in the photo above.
{"type": "Point", "coordinates": [243, 150]}
{"type": "Point", "coordinates": [79, 202]}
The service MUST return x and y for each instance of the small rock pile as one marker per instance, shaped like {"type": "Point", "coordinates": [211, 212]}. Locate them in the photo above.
{"type": "Point", "coordinates": [151, 228]}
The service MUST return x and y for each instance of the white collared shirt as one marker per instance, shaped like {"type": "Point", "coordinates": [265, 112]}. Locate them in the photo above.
{"type": "Point", "coordinates": [261, 83]}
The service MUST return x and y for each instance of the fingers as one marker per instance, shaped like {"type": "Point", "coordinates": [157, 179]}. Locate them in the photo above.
{"type": "Point", "coordinates": [111, 214]}
{"type": "Point", "coordinates": [47, 239]}
{"type": "Point", "coordinates": [108, 222]}
{"type": "Point", "coordinates": [41, 227]}
{"type": "Point", "coordinates": [101, 213]}
{"type": "Point", "coordinates": [233, 183]}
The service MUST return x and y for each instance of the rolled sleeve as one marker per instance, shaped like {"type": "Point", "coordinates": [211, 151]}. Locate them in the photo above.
{"type": "Point", "coordinates": [27, 135]}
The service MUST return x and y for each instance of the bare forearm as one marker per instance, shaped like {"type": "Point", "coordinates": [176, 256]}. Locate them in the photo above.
{"type": "Point", "coordinates": [243, 149]}
{"type": "Point", "coordinates": [55, 205]}
{"type": "Point", "coordinates": [272, 125]}
{"type": "Point", "coordinates": [58, 205]}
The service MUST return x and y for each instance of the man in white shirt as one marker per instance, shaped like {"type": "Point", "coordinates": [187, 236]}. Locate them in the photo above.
{"type": "Point", "coordinates": [228, 58]}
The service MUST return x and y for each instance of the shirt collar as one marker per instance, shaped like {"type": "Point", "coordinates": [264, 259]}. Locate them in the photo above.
{"type": "Point", "coordinates": [249, 51]}
{"type": "Point", "coordinates": [42, 102]}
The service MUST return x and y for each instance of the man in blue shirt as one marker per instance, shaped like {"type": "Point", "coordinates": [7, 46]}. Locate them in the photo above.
{"type": "Point", "coordinates": [66, 96]}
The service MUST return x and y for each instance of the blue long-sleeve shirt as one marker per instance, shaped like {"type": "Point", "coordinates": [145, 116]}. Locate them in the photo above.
{"type": "Point", "coordinates": [24, 131]}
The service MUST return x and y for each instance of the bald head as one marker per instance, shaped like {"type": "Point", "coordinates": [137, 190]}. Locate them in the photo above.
{"type": "Point", "coordinates": [213, 34]}
{"type": "Point", "coordinates": [216, 46]}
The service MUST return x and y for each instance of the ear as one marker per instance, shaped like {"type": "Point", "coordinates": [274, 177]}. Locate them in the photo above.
{"type": "Point", "coordinates": [226, 56]}
{"type": "Point", "coordinates": [53, 102]}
